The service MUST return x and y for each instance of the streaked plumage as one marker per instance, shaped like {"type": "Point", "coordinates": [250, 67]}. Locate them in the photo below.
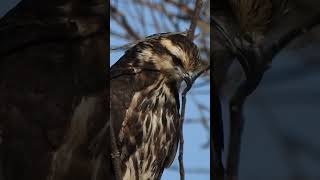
{"type": "Point", "coordinates": [145, 103]}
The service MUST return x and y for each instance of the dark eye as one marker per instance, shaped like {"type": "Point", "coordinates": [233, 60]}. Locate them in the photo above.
{"type": "Point", "coordinates": [177, 61]}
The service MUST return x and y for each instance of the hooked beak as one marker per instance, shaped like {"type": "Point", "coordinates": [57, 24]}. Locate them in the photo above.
{"type": "Point", "coordinates": [188, 79]}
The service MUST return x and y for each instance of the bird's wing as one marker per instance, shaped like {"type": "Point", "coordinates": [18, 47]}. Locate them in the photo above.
{"type": "Point", "coordinates": [123, 89]}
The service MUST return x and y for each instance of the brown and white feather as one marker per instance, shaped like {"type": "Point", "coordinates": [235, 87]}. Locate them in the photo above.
{"type": "Point", "coordinates": [145, 105]}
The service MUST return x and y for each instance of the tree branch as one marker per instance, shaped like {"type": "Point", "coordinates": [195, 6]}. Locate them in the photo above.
{"type": "Point", "coordinates": [183, 107]}
{"type": "Point", "coordinates": [195, 18]}
{"type": "Point", "coordinates": [122, 21]}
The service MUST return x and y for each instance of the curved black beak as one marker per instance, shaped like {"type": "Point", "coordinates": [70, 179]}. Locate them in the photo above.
{"type": "Point", "coordinates": [188, 79]}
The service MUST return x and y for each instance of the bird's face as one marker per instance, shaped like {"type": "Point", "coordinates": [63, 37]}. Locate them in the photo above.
{"type": "Point", "coordinates": [175, 56]}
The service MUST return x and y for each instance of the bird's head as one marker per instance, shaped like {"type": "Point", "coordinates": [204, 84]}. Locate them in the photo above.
{"type": "Point", "coordinates": [175, 56]}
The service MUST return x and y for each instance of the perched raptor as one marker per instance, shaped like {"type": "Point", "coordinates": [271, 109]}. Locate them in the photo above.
{"type": "Point", "coordinates": [145, 102]}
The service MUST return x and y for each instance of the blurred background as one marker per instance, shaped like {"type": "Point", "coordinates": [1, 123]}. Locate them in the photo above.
{"type": "Point", "coordinates": [132, 20]}
{"type": "Point", "coordinates": [280, 139]}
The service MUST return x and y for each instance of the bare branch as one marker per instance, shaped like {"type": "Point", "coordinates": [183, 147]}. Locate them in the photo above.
{"type": "Point", "coordinates": [122, 21]}
{"type": "Point", "coordinates": [183, 107]}
{"type": "Point", "coordinates": [195, 18]}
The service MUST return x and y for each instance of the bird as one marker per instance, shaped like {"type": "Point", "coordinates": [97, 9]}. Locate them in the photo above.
{"type": "Point", "coordinates": [144, 101]}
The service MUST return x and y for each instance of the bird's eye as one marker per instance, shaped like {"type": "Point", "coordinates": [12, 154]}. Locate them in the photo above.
{"type": "Point", "coordinates": [177, 68]}
{"type": "Point", "coordinates": [177, 61]}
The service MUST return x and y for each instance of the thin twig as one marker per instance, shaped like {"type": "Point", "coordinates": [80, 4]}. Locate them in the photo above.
{"type": "Point", "coordinates": [195, 18]}
{"type": "Point", "coordinates": [190, 35]}
{"type": "Point", "coordinates": [122, 21]}
{"type": "Point", "coordinates": [182, 6]}
{"type": "Point", "coordinates": [181, 139]}
{"type": "Point", "coordinates": [183, 107]}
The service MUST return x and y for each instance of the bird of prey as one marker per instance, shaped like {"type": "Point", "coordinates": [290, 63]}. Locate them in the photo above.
{"type": "Point", "coordinates": [145, 84]}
